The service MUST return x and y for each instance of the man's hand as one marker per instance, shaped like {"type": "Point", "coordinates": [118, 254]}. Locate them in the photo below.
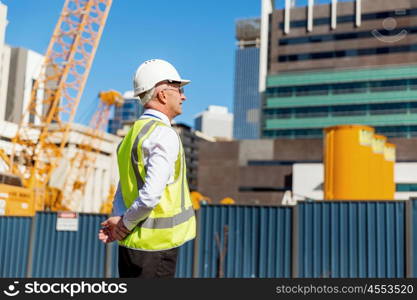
{"type": "Point", "coordinates": [105, 236]}
{"type": "Point", "coordinates": [114, 229]}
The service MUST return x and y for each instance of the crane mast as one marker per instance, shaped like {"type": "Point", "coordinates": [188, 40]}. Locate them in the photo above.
{"type": "Point", "coordinates": [44, 128]}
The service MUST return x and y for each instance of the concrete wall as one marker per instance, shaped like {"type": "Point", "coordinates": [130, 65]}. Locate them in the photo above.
{"type": "Point", "coordinates": [25, 66]}
{"type": "Point", "coordinates": [300, 149]}
{"type": "Point", "coordinates": [218, 169]}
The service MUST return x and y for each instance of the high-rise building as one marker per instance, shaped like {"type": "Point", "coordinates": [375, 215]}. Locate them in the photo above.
{"type": "Point", "coordinates": [339, 63]}
{"type": "Point", "coordinates": [4, 61]}
{"type": "Point", "coordinates": [190, 141]}
{"type": "Point", "coordinates": [25, 67]}
{"type": "Point", "coordinates": [126, 114]}
{"type": "Point", "coordinates": [247, 101]}
{"type": "Point", "coordinates": [215, 122]}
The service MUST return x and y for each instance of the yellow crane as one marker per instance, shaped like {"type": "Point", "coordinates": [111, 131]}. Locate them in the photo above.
{"type": "Point", "coordinates": [67, 193]}
{"type": "Point", "coordinates": [43, 132]}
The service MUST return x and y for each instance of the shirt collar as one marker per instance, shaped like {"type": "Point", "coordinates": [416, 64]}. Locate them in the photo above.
{"type": "Point", "coordinates": [157, 115]}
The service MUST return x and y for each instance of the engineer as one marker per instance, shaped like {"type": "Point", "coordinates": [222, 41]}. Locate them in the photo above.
{"type": "Point", "coordinates": [152, 211]}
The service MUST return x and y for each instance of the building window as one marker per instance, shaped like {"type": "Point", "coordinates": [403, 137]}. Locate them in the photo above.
{"type": "Point", "coordinates": [349, 88]}
{"type": "Point", "coordinates": [406, 187]}
{"type": "Point", "coordinates": [389, 131]}
{"type": "Point", "coordinates": [311, 112]}
{"type": "Point", "coordinates": [412, 84]}
{"type": "Point", "coordinates": [311, 90]}
{"type": "Point", "coordinates": [393, 131]}
{"type": "Point", "coordinates": [346, 53]}
{"type": "Point", "coordinates": [343, 88]}
{"type": "Point", "coordinates": [388, 85]}
{"type": "Point", "coordinates": [348, 110]}
{"type": "Point", "coordinates": [388, 108]}
{"type": "Point", "coordinates": [344, 36]}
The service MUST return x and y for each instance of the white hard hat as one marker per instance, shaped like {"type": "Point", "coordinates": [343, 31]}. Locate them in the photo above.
{"type": "Point", "coordinates": [153, 71]}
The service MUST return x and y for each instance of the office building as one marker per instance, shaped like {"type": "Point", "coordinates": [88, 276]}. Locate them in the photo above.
{"type": "Point", "coordinates": [247, 100]}
{"type": "Point", "coordinates": [215, 122]}
{"type": "Point", "coordinates": [339, 63]}
{"type": "Point", "coordinates": [25, 67]}
{"type": "Point", "coordinates": [190, 141]}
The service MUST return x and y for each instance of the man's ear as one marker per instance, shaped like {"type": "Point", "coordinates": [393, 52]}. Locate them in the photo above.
{"type": "Point", "coordinates": [161, 97]}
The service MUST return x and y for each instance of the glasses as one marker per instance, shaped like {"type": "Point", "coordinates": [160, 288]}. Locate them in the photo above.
{"type": "Point", "coordinates": [179, 90]}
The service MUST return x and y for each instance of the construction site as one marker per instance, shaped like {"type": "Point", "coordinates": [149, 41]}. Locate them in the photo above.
{"type": "Point", "coordinates": [315, 175]}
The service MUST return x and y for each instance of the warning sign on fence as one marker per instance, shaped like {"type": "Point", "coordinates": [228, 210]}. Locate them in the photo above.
{"type": "Point", "coordinates": [67, 221]}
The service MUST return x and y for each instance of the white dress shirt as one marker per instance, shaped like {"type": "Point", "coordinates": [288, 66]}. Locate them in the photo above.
{"type": "Point", "coordinates": [160, 151]}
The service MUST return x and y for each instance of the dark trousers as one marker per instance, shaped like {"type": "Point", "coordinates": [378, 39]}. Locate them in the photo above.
{"type": "Point", "coordinates": [147, 264]}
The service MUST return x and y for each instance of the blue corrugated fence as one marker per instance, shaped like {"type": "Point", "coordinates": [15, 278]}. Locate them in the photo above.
{"type": "Point", "coordinates": [329, 239]}
{"type": "Point", "coordinates": [258, 241]}
{"type": "Point", "coordinates": [351, 239]}
{"type": "Point", "coordinates": [14, 243]}
{"type": "Point", "coordinates": [68, 253]}
{"type": "Point", "coordinates": [414, 237]}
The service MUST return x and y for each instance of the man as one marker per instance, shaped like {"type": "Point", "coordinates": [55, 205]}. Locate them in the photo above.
{"type": "Point", "coordinates": [152, 210]}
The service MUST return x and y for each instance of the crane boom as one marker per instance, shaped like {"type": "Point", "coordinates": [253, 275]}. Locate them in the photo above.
{"type": "Point", "coordinates": [57, 91]}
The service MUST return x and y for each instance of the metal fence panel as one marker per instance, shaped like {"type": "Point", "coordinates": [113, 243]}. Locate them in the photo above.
{"type": "Point", "coordinates": [14, 245]}
{"type": "Point", "coordinates": [185, 260]}
{"type": "Point", "coordinates": [335, 239]}
{"type": "Point", "coordinates": [258, 241]}
{"type": "Point", "coordinates": [115, 260]}
{"type": "Point", "coordinates": [351, 239]}
{"type": "Point", "coordinates": [414, 236]}
{"type": "Point", "coordinates": [68, 253]}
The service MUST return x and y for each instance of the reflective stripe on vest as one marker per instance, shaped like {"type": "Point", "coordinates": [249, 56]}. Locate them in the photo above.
{"type": "Point", "coordinates": [162, 229]}
{"type": "Point", "coordinates": [134, 155]}
{"type": "Point", "coordinates": [161, 223]}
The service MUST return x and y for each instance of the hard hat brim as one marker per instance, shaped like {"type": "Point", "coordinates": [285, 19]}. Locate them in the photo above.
{"type": "Point", "coordinates": [185, 81]}
{"type": "Point", "coordinates": [182, 82]}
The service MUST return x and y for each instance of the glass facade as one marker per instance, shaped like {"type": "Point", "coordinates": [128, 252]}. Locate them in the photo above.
{"type": "Point", "coordinates": [198, 123]}
{"type": "Point", "coordinates": [386, 101]}
{"type": "Point", "coordinates": [247, 100]}
{"type": "Point", "coordinates": [347, 53]}
{"type": "Point", "coordinates": [343, 88]}
{"type": "Point", "coordinates": [343, 36]}
{"type": "Point", "coordinates": [388, 131]}
{"type": "Point", "coordinates": [130, 111]}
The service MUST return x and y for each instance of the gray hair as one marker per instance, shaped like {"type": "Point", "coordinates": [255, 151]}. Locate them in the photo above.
{"type": "Point", "coordinates": [147, 96]}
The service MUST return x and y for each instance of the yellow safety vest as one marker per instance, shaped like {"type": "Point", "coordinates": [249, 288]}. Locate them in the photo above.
{"type": "Point", "coordinates": [172, 222]}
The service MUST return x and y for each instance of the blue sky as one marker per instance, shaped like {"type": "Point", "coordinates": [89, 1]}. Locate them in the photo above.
{"type": "Point", "coordinates": [196, 36]}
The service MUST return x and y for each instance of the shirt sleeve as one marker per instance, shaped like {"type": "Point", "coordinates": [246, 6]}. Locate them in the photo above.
{"type": "Point", "coordinates": [160, 151]}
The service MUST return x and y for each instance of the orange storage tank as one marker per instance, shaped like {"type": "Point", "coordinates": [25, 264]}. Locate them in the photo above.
{"type": "Point", "coordinates": [388, 171]}
{"type": "Point", "coordinates": [376, 167]}
{"type": "Point", "coordinates": [347, 152]}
